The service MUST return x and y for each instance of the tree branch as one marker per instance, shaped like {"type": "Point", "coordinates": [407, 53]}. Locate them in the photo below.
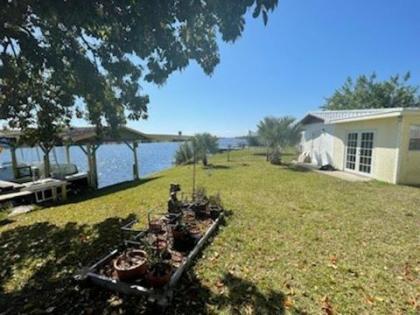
{"type": "Point", "coordinates": [13, 46]}
{"type": "Point", "coordinates": [6, 44]}
{"type": "Point", "coordinates": [92, 49]}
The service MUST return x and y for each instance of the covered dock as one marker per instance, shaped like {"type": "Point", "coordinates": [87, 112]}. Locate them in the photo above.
{"type": "Point", "coordinates": [87, 139]}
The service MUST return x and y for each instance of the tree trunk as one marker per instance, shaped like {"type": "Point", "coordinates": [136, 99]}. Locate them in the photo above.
{"type": "Point", "coordinates": [47, 168]}
{"type": "Point", "coordinates": [205, 162]}
{"type": "Point", "coordinates": [267, 154]}
{"type": "Point", "coordinates": [46, 149]}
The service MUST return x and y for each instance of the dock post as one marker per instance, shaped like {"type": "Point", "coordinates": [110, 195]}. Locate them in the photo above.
{"type": "Point", "coordinates": [89, 158]}
{"type": "Point", "coordinates": [94, 166]}
{"type": "Point", "coordinates": [67, 149]}
{"type": "Point", "coordinates": [46, 159]}
{"type": "Point", "coordinates": [14, 161]}
{"type": "Point", "coordinates": [136, 173]}
{"type": "Point", "coordinates": [91, 155]}
{"type": "Point", "coordinates": [136, 162]}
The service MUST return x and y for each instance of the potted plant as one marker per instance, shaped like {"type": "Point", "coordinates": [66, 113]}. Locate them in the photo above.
{"type": "Point", "coordinates": [189, 216]}
{"type": "Point", "coordinates": [180, 232]}
{"type": "Point", "coordinates": [131, 264]}
{"type": "Point", "coordinates": [215, 205]}
{"type": "Point", "coordinates": [160, 270]}
{"type": "Point", "coordinates": [194, 232]}
{"type": "Point", "coordinates": [176, 258]}
{"type": "Point", "coordinates": [202, 210]}
{"type": "Point", "coordinates": [160, 244]}
{"type": "Point", "coordinates": [155, 225]}
{"type": "Point", "coordinates": [200, 205]}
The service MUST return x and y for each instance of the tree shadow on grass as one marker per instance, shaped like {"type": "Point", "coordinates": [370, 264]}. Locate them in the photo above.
{"type": "Point", "coordinates": [46, 257]}
{"type": "Point", "coordinates": [265, 154]}
{"type": "Point", "coordinates": [6, 222]}
{"type": "Point", "coordinates": [233, 295]}
{"type": "Point", "coordinates": [38, 262]}
{"type": "Point", "coordinates": [216, 167]}
{"type": "Point", "coordinates": [90, 194]}
{"type": "Point", "coordinates": [259, 154]}
{"type": "Point", "coordinates": [296, 168]}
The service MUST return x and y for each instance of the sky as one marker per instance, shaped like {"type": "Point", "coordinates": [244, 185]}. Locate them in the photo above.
{"type": "Point", "coordinates": [288, 67]}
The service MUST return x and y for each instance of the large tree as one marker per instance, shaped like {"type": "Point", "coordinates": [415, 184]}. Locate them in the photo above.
{"type": "Point", "coordinates": [367, 92]}
{"type": "Point", "coordinates": [60, 59]}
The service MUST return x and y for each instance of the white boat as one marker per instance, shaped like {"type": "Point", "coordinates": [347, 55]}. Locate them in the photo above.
{"type": "Point", "coordinates": [33, 172]}
{"type": "Point", "coordinates": [31, 180]}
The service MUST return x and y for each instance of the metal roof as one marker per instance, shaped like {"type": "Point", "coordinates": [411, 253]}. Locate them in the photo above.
{"type": "Point", "coordinates": [336, 116]}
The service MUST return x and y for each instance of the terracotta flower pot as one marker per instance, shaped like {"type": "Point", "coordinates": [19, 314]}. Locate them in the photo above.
{"type": "Point", "coordinates": [214, 212]}
{"type": "Point", "coordinates": [179, 233]}
{"type": "Point", "coordinates": [203, 214]}
{"type": "Point", "coordinates": [160, 244]}
{"type": "Point", "coordinates": [159, 275]}
{"type": "Point", "coordinates": [194, 232]}
{"type": "Point", "coordinates": [131, 265]}
{"type": "Point", "coordinates": [176, 258]}
{"type": "Point", "coordinates": [189, 216]}
{"type": "Point", "coordinates": [156, 226]}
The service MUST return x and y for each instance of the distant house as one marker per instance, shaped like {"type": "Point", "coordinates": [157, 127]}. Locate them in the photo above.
{"type": "Point", "coordinates": [381, 143]}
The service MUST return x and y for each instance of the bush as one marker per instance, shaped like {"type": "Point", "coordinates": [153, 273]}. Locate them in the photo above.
{"type": "Point", "coordinates": [253, 141]}
{"type": "Point", "coordinates": [203, 144]}
{"type": "Point", "coordinates": [184, 154]}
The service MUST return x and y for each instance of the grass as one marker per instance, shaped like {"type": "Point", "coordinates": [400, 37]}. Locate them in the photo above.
{"type": "Point", "coordinates": [297, 242]}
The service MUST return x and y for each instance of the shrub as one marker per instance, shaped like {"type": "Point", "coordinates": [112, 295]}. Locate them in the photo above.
{"type": "Point", "coordinates": [184, 154]}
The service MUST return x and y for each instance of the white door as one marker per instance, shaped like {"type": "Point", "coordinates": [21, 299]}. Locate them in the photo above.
{"type": "Point", "coordinates": [359, 152]}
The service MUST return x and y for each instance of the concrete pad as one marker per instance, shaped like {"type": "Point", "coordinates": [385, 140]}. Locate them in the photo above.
{"type": "Point", "coordinates": [350, 177]}
{"type": "Point", "coordinates": [21, 209]}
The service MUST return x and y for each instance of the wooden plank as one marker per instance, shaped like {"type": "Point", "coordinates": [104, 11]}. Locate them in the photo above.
{"type": "Point", "coordinates": [178, 273]}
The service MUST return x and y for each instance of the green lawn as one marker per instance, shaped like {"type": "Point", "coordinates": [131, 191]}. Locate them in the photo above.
{"type": "Point", "coordinates": [295, 241]}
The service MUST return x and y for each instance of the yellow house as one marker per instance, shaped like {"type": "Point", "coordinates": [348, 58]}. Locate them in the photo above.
{"type": "Point", "coordinates": [380, 143]}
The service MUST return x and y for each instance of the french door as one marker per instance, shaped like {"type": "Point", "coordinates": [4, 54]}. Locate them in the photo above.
{"type": "Point", "coordinates": [359, 151]}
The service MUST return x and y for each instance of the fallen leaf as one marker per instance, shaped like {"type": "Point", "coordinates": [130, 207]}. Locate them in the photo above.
{"type": "Point", "coordinates": [326, 306]}
{"type": "Point", "coordinates": [370, 299]}
{"type": "Point", "coordinates": [407, 272]}
{"type": "Point", "coordinates": [413, 302]}
{"type": "Point", "coordinates": [288, 302]}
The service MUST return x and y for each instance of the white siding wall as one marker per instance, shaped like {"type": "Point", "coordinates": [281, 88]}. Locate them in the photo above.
{"type": "Point", "coordinates": [317, 139]}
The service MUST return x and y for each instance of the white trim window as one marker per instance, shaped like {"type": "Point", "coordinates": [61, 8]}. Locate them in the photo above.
{"type": "Point", "coordinates": [414, 144]}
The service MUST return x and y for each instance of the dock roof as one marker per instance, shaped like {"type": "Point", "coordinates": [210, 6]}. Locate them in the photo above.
{"type": "Point", "coordinates": [83, 135]}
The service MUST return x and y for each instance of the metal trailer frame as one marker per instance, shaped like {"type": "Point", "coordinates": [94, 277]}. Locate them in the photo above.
{"type": "Point", "coordinates": [162, 297]}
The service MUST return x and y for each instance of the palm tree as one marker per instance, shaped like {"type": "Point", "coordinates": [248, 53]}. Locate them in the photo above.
{"type": "Point", "coordinates": [266, 131]}
{"type": "Point", "coordinates": [184, 154]}
{"type": "Point", "coordinates": [203, 144]}
{"type": "Point", "coordinates": [278, 133]}
{"type": "Point", "coordinates": [197, 149]}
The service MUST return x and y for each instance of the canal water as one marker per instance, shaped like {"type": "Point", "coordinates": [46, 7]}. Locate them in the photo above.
{"type": "Point", "coordinates": [115, 161]}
